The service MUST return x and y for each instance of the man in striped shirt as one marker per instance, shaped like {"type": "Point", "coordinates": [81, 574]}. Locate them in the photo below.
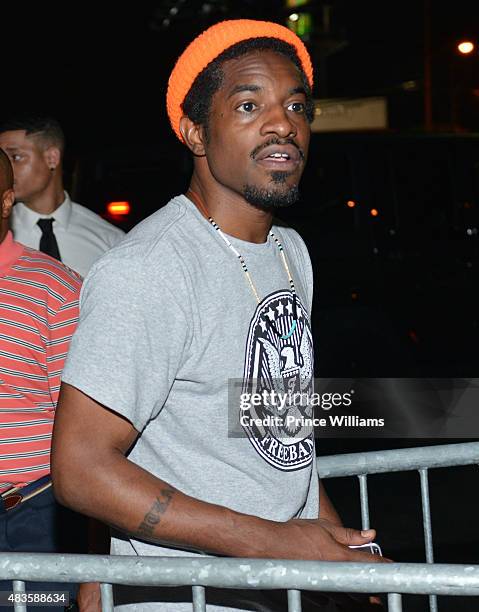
{"type": "Point", "coordinates": [39, 299]}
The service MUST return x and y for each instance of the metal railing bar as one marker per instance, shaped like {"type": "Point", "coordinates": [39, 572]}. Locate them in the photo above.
{"type": "Point", "coordinates": [294, 600]}
{"type": "Point", "coordinates": [394, 602]}
{"type": "Point", "coordinates": [398, 460]}
{"type": "Point", "coordinates": [426, 519]}
{"type": "Point", "coordinates": [199, 599]}
{"type": "Point", "coordinates": [417, 578]}
{"type": "Point", "coordinates": [363, 495]}
{"type": "Point", "coordinates": [426, 515]}
{"type": "Point", "coordinates": [106, 590]}
{"type": "Point", "coordinates": [19, 587]}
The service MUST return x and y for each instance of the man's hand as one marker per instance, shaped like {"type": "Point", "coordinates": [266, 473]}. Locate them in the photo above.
{"type": "Point", "coordinates": [89, 597]}
{"type": "Point", "coordinates": [322, 540]}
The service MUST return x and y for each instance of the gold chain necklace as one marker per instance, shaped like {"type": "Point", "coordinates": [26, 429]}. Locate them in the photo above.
{"type": "Point", "coordinates": [198, 201]}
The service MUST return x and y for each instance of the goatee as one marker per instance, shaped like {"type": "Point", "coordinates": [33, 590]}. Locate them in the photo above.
{"type": "Point", "coordinates": [272, 198]}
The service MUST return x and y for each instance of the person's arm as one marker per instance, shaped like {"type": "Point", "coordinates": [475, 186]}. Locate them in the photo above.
{"type": "Point", "coordinates": [92, 475]}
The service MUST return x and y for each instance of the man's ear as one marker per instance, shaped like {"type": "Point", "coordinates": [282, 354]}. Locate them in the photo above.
{"type": "Point", "coordinates": [8, 198]}
{"type": "Point", "coordinates": [193, 136]}
{"type": "Point", "coordinates": [52, 156]}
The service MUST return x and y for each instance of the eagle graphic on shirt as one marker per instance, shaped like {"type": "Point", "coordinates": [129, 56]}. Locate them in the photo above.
{"type": "Point", "coordinates": [279, 361]}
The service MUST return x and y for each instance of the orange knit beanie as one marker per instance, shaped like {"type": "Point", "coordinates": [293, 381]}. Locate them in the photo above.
{"type": "Point", "coordinates": [212, 42]}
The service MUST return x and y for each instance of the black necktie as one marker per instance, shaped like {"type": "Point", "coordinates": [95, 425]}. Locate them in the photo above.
{"type": "Point", "coordinates": [48, 242]}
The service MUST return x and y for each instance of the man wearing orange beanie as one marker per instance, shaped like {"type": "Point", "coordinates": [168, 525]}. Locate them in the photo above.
{"type": "Point", "coordinates": [208, 291]}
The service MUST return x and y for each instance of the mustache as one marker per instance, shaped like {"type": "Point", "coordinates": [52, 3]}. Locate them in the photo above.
{"type": "Point", "coordinates": [276, 141]}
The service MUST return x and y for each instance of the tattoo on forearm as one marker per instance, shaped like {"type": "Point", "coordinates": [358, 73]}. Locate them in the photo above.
{"type": "Point", "coordinates": [153, 516]}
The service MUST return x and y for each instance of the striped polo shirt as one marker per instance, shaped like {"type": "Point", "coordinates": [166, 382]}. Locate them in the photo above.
{"type": "Point", "coordinates": [39, 299]}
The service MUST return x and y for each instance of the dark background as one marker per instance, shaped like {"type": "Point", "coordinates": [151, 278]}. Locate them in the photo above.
{"type": "Point", "coordinates": [396, 294]}
{"type": "Point", "coordinates": [102, 69]}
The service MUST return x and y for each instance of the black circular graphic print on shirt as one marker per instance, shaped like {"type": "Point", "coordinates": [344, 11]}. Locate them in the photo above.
{"type": "Point", "coordinates": [279, 368]}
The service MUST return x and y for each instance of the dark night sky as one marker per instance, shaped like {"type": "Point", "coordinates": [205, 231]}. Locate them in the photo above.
{"type": "Point", "coordinates": [102, 70]}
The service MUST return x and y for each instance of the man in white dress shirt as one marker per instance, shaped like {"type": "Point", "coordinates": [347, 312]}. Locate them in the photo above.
{"type": "Point", "coordinates": [44, 216]}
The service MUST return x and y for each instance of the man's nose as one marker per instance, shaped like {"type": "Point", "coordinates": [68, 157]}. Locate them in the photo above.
{"type": "Point", "coordinates": [278, 121]}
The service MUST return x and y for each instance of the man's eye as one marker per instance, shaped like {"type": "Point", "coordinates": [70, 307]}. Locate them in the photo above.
{"type": "Point", "coordinates": [296, 107]}
{"type": "Point", "coordinates": [246, 107]}
{"type": "Point", "coordinates": [16, 157]}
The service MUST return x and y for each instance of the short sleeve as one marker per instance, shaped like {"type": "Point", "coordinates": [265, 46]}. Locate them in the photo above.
{"type": "Point", "coordinates": [130, 341]}
{"type": "Point", "coordinates": [61, 328]}
{"type": "Point", "coordinates": [296, 243]}
{"type": "Point", "coordinates": [308, 272]}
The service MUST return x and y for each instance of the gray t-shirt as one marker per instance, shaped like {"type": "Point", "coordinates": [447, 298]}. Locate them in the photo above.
{"type": "Point", "coordinates": [168, 318]}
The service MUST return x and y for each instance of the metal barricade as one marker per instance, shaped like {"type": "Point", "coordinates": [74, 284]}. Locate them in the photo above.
{"type": "Point", "coordinates": [421, 459]}
{"type": "Point", "coordinates": [392, 579]}
{"type": "Point", "coordinates": [294, 576]}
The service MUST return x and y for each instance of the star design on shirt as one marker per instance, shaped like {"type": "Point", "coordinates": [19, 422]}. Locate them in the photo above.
{"type": "Point", "coordinates": [263, 325]}
{"type": "Point", "coordinates": [289, 308]}
{"type": "Point", "coordinates": [300, 312]}
{"type": "Point", "coordinates": [280, 309]}
{"type": "Point", "coordinates": [270, 314]}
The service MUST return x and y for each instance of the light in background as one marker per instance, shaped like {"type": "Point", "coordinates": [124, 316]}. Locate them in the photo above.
{"type": "Point", "coordinates": [118, 209]}
{"type": "Point", "coordinates": [465, 47]}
